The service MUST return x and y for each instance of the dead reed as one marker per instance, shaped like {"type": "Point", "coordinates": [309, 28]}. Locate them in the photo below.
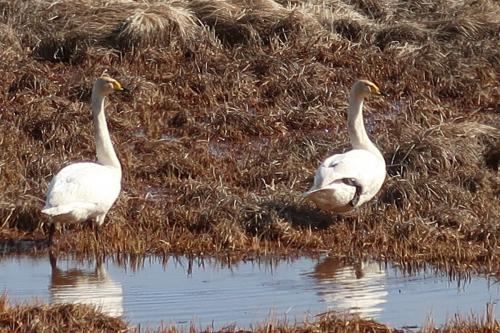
{"type": "Point", "coordinates": [234, 104]}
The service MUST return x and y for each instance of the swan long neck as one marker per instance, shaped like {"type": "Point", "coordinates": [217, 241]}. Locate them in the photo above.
{"type": "Point", "coordinates": [356, 127]}
{"type": "Point", "coordinates": [106, 154]}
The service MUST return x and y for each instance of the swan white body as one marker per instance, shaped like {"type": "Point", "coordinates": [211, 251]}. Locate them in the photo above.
{"type": "Point", "coordinates": [330, 193]}
{"type": "Point", "coordinates": [346, 181]}
{"type": "Point", "coordinates": [83, 191]}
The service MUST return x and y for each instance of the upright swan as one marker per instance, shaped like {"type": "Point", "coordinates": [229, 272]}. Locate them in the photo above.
{"type": "Point", "coordinates": [83, 191]}
{"type": "Point", "coordinates": [345, 181]}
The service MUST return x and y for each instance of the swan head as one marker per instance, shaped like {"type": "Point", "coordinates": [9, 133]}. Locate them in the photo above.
{"type": "Point", "coordinates": [106, 85]}
{"type": "Point", "coordinates": [365, 88]}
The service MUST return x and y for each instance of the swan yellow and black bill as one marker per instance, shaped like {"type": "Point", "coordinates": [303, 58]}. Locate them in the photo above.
{"type": "Point", "coordinates": [117, 86]}
{"type": "Point", "coordinates": [375, 89]}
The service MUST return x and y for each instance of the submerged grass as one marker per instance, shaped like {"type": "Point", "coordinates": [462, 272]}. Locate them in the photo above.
{"type": "Point", "coordinates": [234, 104]}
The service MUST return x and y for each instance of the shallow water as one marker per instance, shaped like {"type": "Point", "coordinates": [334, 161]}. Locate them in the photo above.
{"type": "Point", "coordinates": [209, 293]}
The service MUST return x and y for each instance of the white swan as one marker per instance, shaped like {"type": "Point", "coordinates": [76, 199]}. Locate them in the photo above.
{"type": "Point", "coordinates": [83, 191]}
{"type": "Point", "coordinates": [345, 181]}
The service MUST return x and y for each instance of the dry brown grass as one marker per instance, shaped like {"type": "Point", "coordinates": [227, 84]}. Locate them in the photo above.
{"type": "Point", "coordinates": [55, 318]}
{"type": "Point", "coordinates": [234, 104]}
{"type": "Point", "coordinates": [236, 22]}
{"type": "Point", "coordinates": [83, 318]}
{"type": "Point", "coordinates": [157, 25]}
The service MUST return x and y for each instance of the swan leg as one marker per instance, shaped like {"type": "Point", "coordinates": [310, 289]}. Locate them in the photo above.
{"type": "Point", "coordinates": [97, 225]}
{"type": "Point", "coordinates": [52, 230]}
{"type": "Point", "coordinates": [53, 259]}
{"type": "Point", "coordinates": [359, 190]}
{"type": "Point", "coordinates": [96, 231]}
{"type": "Point", "coordinates": [99, 258]}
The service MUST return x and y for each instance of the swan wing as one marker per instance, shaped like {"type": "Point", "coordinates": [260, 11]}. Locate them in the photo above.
{"type": "Point", "coordinates": [361, 165]}
{"type": "Point", "coordinates": [83, 186]}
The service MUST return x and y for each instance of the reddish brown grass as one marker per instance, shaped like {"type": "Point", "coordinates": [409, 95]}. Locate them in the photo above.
{"type": "Point", "coordinates": [233, 106]}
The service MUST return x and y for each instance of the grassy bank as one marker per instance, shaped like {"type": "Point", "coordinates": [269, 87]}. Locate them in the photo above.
{"type": "Point", "coordinates": [234, 105]}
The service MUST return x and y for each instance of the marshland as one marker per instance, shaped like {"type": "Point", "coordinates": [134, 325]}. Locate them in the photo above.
{"type": "Point", "coordinates": [232, 106]}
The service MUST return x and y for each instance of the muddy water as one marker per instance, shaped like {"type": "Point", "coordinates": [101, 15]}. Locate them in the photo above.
{"type": "Point", "coordinates": [208, 293]}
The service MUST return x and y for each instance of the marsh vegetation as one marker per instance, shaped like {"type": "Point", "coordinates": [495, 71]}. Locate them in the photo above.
{"type": "Point", "coordinates": [84, 318]}
{"type": "Point", "coordinates": [233, 105]}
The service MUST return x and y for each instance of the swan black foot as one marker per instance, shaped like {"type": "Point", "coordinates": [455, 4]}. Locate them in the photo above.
{"type": "Point", "coordinates": [359, 190]}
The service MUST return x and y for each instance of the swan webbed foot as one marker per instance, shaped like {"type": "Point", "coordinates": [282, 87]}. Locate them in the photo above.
{"type": "Point", "coordinates": [359, 190]}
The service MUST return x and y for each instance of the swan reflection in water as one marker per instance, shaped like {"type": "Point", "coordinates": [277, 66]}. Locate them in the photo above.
{"type": "Point", "coordinates": [353, 288]}
{"type": "Point", "coordinates": [93, 287]}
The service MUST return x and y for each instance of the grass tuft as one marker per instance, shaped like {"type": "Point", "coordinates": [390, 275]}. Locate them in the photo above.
{"type": "Point", "coordinates": [159, 25]}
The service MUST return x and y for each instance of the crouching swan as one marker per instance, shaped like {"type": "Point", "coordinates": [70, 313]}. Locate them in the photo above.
{"type": "Point", "coordinates": [86, 190]}
{"type": "Point", "coordinates": [345, 181]}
